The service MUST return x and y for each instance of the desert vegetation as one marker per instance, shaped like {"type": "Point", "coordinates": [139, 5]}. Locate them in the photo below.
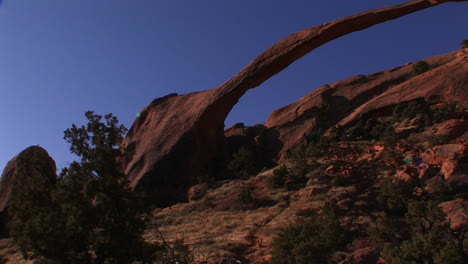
{"type": "Point", "coordinates": [330, 197]}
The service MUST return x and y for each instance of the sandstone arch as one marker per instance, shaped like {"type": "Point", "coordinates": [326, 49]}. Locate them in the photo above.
{"type": "Point", "coordinates": [178, 136]}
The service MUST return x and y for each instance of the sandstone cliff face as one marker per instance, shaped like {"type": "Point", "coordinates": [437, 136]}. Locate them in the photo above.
{"type": "Point", "coordinates": [346, 101]}
{"type": "Point", "coordinates": [178, 136]}
{"type": "Point", "coordinates": [447, 83]}
{"type": "Point", "coordinates": [34, 153]}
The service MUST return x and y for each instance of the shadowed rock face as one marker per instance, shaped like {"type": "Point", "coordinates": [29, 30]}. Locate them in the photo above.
{"type": "Point", "coordinates": [33, 153]}
{"type": "Point", "coordinates": [178, 136]}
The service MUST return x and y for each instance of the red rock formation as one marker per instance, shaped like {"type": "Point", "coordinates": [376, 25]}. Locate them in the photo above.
{"type": "Point", "coordinates": [446, 83]}
{"type": "Point", "coordinates": [35, 152]}
{"type": "Point", "coordinates": [453, 127]}
{"type": "Point", "coordinates": [178, 136]}
{"type": "Point", "coordinates": [344, 102]}
{"type": "Point", "coordinates": [447, 157]}
{"type": "Point", "coordinates": [457, 213]}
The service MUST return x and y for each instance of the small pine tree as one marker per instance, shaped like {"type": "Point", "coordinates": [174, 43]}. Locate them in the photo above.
{"type": "Point", "coordinates": [420, 67]}
{"type": "Point", "coordinates": [116, 236]}
{"type": "Point", "coordinates": [88, 215]}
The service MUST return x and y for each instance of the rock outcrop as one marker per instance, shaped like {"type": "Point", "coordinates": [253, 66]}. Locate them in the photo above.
{"type": "Point", "coordinates": [41, 158]}
{"type": "Point", "coordinates": [446, 83]}
{"type": "Point", "coordinates": [342, 102]}
{"type": "Point", "coordinates": [177, 137]}
{"type": "Point", "coordinates": [447, 157]}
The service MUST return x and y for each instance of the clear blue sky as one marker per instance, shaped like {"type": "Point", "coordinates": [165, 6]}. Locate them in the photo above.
{"type": "Point", "coordinates": [60, 58]}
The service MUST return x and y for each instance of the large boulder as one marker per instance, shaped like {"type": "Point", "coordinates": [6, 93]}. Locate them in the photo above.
{"type": "Point", "coordinates": [457, 213]}
{"type": "Point", "coordinates": [42, 161]}
{"type": "Point", "coordinates": [448, 157]}
{"type": "Point", "coordinates": [178, 136]}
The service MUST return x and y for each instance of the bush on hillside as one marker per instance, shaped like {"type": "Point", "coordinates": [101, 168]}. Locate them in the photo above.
{"type": "Point", "coordinates": [442, 113]}
{"type": "Point", "coordinates": [394, 195]}
{"type": "Point", "coordinates": [309, 240]}
{"type": "Point", "coordinates": [423, 248]}
{"type": "Point", "coordinates": [464, 43]}
{"type": "Point", "coordinates": [420, 67]}
{"type": "Point", "coordinates": [278, 179]}
{"type": "Point", "coordinates": [242, 164]}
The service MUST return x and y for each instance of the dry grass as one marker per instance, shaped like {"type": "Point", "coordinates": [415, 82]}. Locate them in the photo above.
{"type": "Point", "coordinates": [221, 225]}
{"type": "Point", "coordinates": [9, 254]}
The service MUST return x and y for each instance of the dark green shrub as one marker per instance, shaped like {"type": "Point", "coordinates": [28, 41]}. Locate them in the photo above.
{"type": "Point", "coordinates": [171, 252]}
{"type": "Point", "coordinates": [32, 211]}
{"type": "Point", "coordinates": [89, 215]}
{"type": "Point", "coordinates": [309, 240]}
{"type": "Point", "coordinates": [389, 136]}
{"type": "Point", "coordinates": [278, 179]}
{"type": "Point", "coordinates": [242, 164]}
{"type": "Point", "coordinates": [387, 228]}
{"type": "Point", "coordinates": [423, 248]}
{"type": "Point", "coordinates": [339, 180]}
{"type": "Point", "coordinates": [442, 113]}
{"type": "Point", "coordinates": [439, 140]}
{"type": "Point", "coordinates": [420, 67]}
{"type": "Point", "coordinates": [394, 195]}
{"type": "Point", "coordinates": [464, 43]}
{"type": "Point", "coordinates": [200, 193]}
{"type": "Point", "coordinates": [298, 161]}
{"type": "Point", "coordinates": [424, 215]}
{"type": "Point", "coordinates": [244, 194]}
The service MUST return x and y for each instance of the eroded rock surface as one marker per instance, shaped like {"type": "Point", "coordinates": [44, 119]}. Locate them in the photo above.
{"type": "Point", "coordinates": [43, 160]}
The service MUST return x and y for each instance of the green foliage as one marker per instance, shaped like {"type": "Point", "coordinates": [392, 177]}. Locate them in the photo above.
{"type": "Point", "coordinates": [411, 110]}
{"type": "Point", "coordinates": [424, 215]}
{"type": "Point", "coordinates": [423, 248]}
{"type": "Point", "coordinates": [88, 215]}
{"type": "Point", "coordinates": [440, 140]}
{"type": "Point", "coordinates": [200, 193]}
{"type": "Point", "coordinates": [422, 236]}
{"type": "Point", "coordinates": [117, 227]}
{"type": "Point", "coordinates": [448, 255]}
{"type": "Point", "coordinates": [298, 160]}
{"type": "Point", "coordinates": [389, 136]}
{"type": "Point", "coordinates": [442, 113]}
{"type": "Point", "coordinates": [420, 67]}
{"type": "Point", "coordinates": [395, 194]}
{"type": "Point", "coordinates": [309, 240]}
{"type": "Point", "coordinates": [242, 164]}
{"type": "Point", "coordinates": [388, 229]}
{"type": "Point", "coordinates": [464, 43]}
{"type": "Point", "coordinates": [32, 213]}
{"type": "Point", "coordinates": [278, 179]}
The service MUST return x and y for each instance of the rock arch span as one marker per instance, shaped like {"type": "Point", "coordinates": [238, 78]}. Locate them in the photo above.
{"type": "Point", "coordinates": [178, 136]}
